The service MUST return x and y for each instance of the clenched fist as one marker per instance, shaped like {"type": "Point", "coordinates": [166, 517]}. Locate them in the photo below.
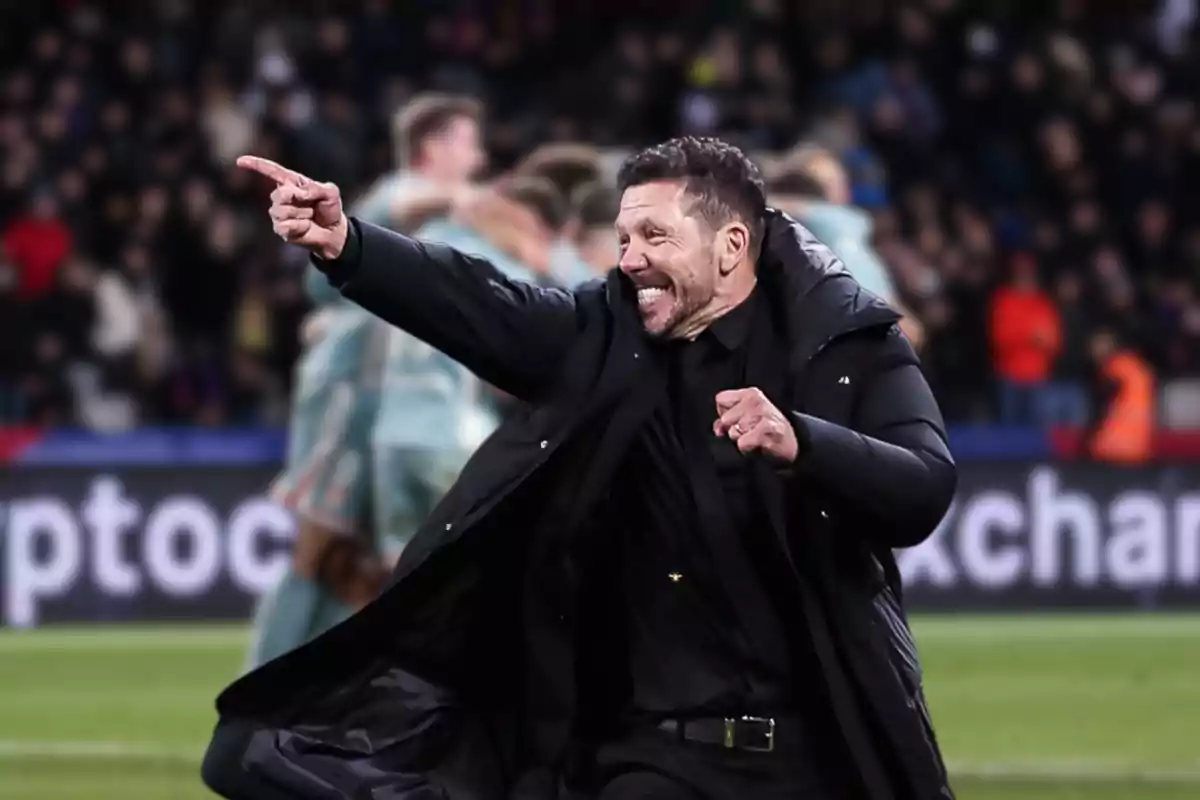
{"type": "Point", "coordinates": [303, 212]}
{"type": "Point", "coordinates": [748, 418]}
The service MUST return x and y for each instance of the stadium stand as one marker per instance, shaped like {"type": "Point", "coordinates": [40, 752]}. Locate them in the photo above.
{"type": "Point", "coordinates": [136, 287]}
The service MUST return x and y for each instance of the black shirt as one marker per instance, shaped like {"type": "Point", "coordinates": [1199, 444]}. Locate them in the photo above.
{"type": "Point", "coordinates": [703, 637]}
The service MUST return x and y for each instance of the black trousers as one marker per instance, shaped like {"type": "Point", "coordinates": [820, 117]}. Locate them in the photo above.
{"type": "Point", "coordinates": [649, 764]}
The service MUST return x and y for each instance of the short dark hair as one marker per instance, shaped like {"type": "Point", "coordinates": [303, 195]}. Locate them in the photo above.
{"type": "Point", "coordinates": [565, 164]}
{"type": "Point", "coordinates": [797, 184]}
{"type": "Point", "coordinates": [595, 205]}
{"type": "Point", "coordinates": [725, 183]}
{"type": "Point", "coordinates": [426, 115]}
{"type": "Point", "coordinates": [539, 196]}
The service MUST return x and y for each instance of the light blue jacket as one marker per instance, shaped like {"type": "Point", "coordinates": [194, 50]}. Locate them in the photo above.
{"type": "Point", "coordinates": [429, 401]}
{"type": "Point", "coordinates": [847, 232]}
{"type": "Point", "coordinates": [351, 343]}
{"type": "Point", "coordinates": [568, 267]}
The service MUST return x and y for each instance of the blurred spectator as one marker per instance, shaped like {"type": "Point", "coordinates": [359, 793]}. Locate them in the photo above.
{"type": "Point", "coordinates": [813, 186]}
{"type": "Point", "coordinates": [594, 206]}
{"type": "Point", "coordinates": [1124, 397]}
{"type": "Point", "coordinates": [1026, 334]}
{"type": "Point", "coordinates": [1066, 398]}
{"type": "Point", "coordinates": [967, 135]}
{"type": "Point", "coordinates": [36, 244]}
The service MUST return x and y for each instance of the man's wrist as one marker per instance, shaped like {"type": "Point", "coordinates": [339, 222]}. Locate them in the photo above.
{"type": "Point", "coordinates": [340, 268]}
{"type": "Point", "coordinates": [341, 233]}
{"type": "Point", "coordinates": [803, 445]}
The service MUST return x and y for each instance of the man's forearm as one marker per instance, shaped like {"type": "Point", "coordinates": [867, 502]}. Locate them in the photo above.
{"type": "Point", "coordinates": [905, 489]}
{"type": "Point", "coordinates": [509, 333]}
{"type": "Point", "coordinates": [892, 470]}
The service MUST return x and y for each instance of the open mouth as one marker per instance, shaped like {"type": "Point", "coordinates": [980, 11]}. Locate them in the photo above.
{"type": "Point", "coordinates": [648, 295]}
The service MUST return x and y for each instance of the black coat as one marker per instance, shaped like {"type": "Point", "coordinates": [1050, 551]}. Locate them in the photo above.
{"type": "Point", "coordinates": [424, 691]}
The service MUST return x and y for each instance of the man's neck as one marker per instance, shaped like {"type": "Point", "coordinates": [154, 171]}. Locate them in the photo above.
{"type": "Point", "coordinates": [699, 322]}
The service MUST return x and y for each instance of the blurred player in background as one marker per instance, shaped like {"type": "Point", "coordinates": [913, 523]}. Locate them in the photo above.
{"type": "Point", "coordinates": [569, 167]}
{"type": "Point", "coordinates": [434, 413]}
{"type": "Point", "coordinates": [330, 481]}
{"type": "Point", "coordinates": [812, 186]}
{"type": "Point", "coordinates": [590, 230]}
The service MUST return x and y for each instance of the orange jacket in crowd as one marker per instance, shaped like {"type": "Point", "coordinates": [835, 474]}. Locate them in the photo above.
{"type": "Point", "coordinates": [1026, 334]}
{"type": "Point", "coordinates": [1126, 431]}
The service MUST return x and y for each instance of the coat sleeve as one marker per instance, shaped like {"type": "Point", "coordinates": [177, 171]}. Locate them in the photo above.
{"type": "Point", "coordinates": [893, 470]}
{"type": "Point", "coordinates": [511, 333]}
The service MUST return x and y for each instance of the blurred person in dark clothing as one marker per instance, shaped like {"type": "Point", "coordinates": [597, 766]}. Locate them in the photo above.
{"type": "Point", "coordinates": [252, 396]}
{"type": "Point", "coordinates": [961, 347]}
{"type": "Point", "coordinates": [194, 385]}
{"type": "Point", "coordinates": [1065, 399]}
{"type": "Point", "coordinates": [15, 346]}
{"type": "Point", "coordinates": [45, 392]}
{"type": "Point", "coordinates": [69, 309]}
{"type": "Point", "coordinates": [201, 266]}
{"type": "Point", "coordinates": [332, 143]}
{"type": "Point", "coordinates": [1178, 309]}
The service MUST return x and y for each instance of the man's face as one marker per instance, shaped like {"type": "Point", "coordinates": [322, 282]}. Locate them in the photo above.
{"type": "Point", "coordinates": [668, 253]}
{"type": "Point", "coordinates": [457, 152]}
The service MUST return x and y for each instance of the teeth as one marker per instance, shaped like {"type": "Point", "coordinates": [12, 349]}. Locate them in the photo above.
{"type": "Point", "coordinates": [649, 295]}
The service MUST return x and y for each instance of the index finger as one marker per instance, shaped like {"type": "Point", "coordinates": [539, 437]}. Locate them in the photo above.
{"type": "Point", "coordinates": [266, 167]}
{"type": "Point", "coordinates": [729, 398]}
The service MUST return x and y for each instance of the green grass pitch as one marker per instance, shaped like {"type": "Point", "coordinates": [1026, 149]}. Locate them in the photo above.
{"type": "Point", "coordinates": [1028, 708]}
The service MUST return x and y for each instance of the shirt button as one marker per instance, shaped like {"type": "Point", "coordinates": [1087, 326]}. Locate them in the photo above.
{"type": "Point", "coordinates": [543, 444]}
{"type": "Point", "coordinates": [449, 525]}
{"type": "Point", "coordinates": [824, 514]}
{"type": "Point", "coordinates": [637, 355]}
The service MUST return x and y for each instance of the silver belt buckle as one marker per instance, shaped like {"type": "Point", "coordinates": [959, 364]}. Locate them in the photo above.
{"type": "Point", "coordinates": [731, 737]}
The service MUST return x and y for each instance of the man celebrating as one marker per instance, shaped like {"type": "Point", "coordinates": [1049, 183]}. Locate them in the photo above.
{"type": "Point", "coordinates": [672, 576]}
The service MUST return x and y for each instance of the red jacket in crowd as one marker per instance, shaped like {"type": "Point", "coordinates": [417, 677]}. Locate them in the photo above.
{"type": "Point", "coordinates": [37, 247]}
{"type": "Point", "coordinates": [1026, 334]}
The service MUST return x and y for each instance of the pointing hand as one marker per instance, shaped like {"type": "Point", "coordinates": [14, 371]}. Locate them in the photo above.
{"type": "Point", "coordinates": [303, 212]}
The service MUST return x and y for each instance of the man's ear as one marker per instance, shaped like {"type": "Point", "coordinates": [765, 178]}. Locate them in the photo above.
{"type": "Point", "coordinates": [733, 243]}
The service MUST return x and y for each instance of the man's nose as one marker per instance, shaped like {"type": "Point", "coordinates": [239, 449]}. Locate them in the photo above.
{"type": "Point", "coordinates": [632, 260]}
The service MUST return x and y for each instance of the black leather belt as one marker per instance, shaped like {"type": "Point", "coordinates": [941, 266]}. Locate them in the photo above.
{"type": "Point", "coordinates": [755, 734]}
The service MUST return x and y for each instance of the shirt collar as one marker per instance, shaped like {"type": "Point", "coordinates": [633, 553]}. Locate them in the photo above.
{"type": "Point", "coordinates": [732, 329]}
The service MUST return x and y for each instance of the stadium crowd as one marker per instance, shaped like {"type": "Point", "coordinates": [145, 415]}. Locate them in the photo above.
{"type": "Point", "coordinates": [1033, 195]}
